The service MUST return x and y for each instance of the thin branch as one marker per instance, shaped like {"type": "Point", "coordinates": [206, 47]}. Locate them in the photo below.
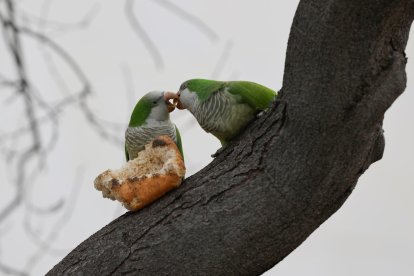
{"type": "Point", "coordinates": [6, 81]}
{"type": "Point", "coordinates": [55, 109]}
{"type": "Point", "coordinates": [190, 18]}
{"type": "Point", "coordinates": [11, 271]}
{"type": "Point", "coordinates": [12, 36]}
{"type": "Point", "coordinates": [54, 27]}
{"type": "Point", "coordinates": [8, 84]}
{"type": "Point", "coordinates": [143, 35]}
{"type": "Point", "coordinates": [28, 163]}
{"type": "Point", "coordinates": [86, 89]}
{"type": "Point", "coordinates": [67, 58]}
{"type": "Point", "coordinates": [221, 62]}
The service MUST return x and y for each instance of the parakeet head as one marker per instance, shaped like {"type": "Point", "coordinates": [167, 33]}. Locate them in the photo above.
{"type": "Point", "coordinates": [154, 105]}
{"type": "Point", "coordinates": [196, 89]}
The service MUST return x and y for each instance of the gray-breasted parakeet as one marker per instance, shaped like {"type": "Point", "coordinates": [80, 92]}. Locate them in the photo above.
{"type": "Point", "coordinates": [224, 108]}
{"type": "Point", "coordinates": [150, 119]}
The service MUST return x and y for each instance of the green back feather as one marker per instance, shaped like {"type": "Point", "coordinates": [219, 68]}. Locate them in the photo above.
{"type": "Point", "coordinates": [255, 95]}
{"type": "Point", "coordinates": [179, 143]}
{"type": "Point", "coordinates": [204, 88]}
{"type": "Point", "coordinates": [126, 153]}
{"type": "Point", "coordinates": [140, 113]}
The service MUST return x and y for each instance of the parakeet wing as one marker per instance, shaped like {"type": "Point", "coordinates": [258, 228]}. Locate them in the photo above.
{"type": "Point", "coordinates": [179, 144]}
{"type": "Point", "coordinates": [255, 95]}
{"type": "Point", "coordinates": [140, 113]}
{"type": "Point", "coordinates": [126, 153]}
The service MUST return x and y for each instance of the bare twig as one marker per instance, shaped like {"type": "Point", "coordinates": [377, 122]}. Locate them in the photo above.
{"type": "Point", "coordinates": [142, 34]}
{"type": "Point", "coordinates": [53, 110]}
{"type": "Point", "coordinates": [54, 27]}
{"type": "Point", "coordinates": [11, 271]}
{"type": "Point", "coordinates": [224, 57]}
{"type": "Point", "coordinates": [43, 25]}
{"type": "Point", "coordinates": [12, 38]}
{"type": "Point", "coordinates": [86, 90]}
{"type": "Point", "coordinates": [190, 18]}
{"type": "Point", "coordinates": [39, 112]}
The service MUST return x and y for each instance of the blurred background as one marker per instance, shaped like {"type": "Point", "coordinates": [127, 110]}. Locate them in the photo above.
{"type": "Point", "coordinates": [70, 74]}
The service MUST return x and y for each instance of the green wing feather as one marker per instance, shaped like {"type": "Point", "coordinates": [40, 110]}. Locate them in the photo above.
{"type": "Point", "coordinates": [179, 144]}
{"type": "Point", "coordinates": [126, 153]}
{"type": "Point", "coordinates": [255, 95]}
{"type": "Point", "coordinates": [204, 88]}
{"type": "Point", "coordinates": [140, 113]}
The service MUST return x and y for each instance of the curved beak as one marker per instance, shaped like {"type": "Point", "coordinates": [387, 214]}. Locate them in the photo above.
{"type": "Point", "coordinates": [170, 96]}
{"type": "Point", "coordinates": [177, 101]}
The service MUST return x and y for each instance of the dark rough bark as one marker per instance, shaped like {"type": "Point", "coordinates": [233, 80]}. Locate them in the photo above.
{"type": "Point", "coordinates": [289, 171]}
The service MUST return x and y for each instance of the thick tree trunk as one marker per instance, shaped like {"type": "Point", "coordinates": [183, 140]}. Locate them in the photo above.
{"type": "Point", "coordinates": [289, 171]}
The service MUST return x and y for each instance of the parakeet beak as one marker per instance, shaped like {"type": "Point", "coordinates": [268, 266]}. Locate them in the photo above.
{"type": "Point", "coordinates": [177, 101]}
{"type": "Point", "coordinates": [170, 96]}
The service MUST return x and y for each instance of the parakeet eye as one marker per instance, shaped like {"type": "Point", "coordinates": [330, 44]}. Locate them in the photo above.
{"type": "Point", "coordinates": [154, 102]}
{"type": "Point", "coordinates": [183, 86]}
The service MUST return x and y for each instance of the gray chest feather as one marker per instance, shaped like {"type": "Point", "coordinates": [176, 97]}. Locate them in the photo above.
{"type": "Point", "coordinates": [137, 137]}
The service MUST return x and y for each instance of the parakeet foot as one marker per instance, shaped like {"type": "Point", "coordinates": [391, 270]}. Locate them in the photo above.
{"type": "Point", "coordinates": [260, 114]}
{"type": "Point", "coordinates": [220, 150]}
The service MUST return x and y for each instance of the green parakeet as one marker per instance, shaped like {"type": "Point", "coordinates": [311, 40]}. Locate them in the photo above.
{"type": "Point", "coordinates": [223, 108]}
{"type": "Point", "coordinates": [150, 119]}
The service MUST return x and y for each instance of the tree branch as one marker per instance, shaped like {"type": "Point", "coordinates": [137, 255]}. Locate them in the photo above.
{"type": "Point", "coordinates": [289, 171]}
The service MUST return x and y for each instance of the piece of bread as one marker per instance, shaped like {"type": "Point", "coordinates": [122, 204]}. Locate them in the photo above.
{"type": "Point", "coordinates": [157, 169]}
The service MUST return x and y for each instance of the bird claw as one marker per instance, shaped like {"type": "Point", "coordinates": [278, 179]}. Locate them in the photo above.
{"type": "Point", "coordinates": [260, 114]}
{"type": "Point", "coordinates": [220, 150]}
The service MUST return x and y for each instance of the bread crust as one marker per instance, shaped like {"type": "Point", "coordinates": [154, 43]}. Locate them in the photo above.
{"type": "Point", "coordinates": [158, 169]}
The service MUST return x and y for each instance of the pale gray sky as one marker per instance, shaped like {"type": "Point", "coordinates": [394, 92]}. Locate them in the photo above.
{"type": "Point", "coordinates": [237, 39]}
